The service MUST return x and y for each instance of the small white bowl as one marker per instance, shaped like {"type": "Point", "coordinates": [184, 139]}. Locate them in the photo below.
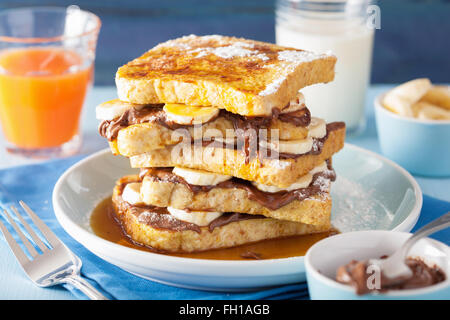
{"type": "Point", "coordinates": [420, 146]}
{"type": "Point", "coordinates": [326, 256]}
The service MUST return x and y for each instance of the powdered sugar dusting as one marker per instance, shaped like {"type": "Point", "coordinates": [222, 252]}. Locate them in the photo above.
{"type": "Point", "coordinates": [356, 208]}
{"type": "Point", "coordinates": [183, 46]}
{"type": "Point", "coordinates": [323, 182]}
{"type": "Point", "coordinates": [244, 44]}
{"type": "Point", "coordinates": [298, 56]}
{"type": "Point", "coordinates": [279, 164]}
{"type": "Point", "coordinates": [151, 217]}
{"type": "Point", "coordinates": [292, 59]}
{"type": "Point", "coordinates": [272, 87]}
{"type": "Point", "coordinates": [262, 57]}
{"type": "Point", "coordinates": [236, 49]}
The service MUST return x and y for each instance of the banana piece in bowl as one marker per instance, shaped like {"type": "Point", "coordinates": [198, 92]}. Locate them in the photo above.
{"type": "Point", "coordinates": [401, 98]}
{"type": "Point", "coordinates": [419, 99]}
{"type": "Point", "coordinates": [439, 96]}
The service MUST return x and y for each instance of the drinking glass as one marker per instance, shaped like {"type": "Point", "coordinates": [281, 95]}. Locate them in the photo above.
{"type": "Point", "coordinates": [46, 68]}
{"type": "Point", "coordinates": [342, 27]}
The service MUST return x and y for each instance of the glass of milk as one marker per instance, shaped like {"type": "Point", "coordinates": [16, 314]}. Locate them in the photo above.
{"type": "Point", "coordinates": [339, 26]}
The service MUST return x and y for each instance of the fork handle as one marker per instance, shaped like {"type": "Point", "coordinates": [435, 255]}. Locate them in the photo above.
{"type": "Point", "coordinates": [85, 287]}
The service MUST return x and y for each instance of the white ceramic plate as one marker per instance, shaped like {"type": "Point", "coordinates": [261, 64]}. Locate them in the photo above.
{"type": "Point", "coordinates": [370, 192]}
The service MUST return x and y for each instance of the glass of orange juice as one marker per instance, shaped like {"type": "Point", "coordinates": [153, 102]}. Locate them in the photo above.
{"type": "Point", "coordinates": [46, 68]}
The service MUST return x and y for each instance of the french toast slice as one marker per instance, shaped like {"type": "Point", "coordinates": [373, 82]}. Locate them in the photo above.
{"type": "Point", "coordinates": [242, 76]}
{"type": "Point", "coordinates": [141, 138]}
{"type": "Point", "coordinates": [310, 205]}
{"type": "Point", "coordinates": [139, 226]}
{"type": "Point", "coordinates": [147, 131]}
{"type": "Point", "coordinates": [280, 172]}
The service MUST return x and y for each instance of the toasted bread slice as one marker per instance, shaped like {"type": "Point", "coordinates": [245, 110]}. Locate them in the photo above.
{"type": "Point", "coordinates": [246, 77]}
{"type": "Point", "coordinates": [313, 208]}
{"type": "Point", "coordinates": [280, 172]}
{"type": "Point", "coordinates": [136, 223]}
{"type": "Point", "coordinates": [137, 138]}
{"type": "Point", "coordinates": [141, 138]}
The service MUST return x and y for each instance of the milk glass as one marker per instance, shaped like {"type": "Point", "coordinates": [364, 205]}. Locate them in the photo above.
{"type": "Point", "coordinates": [339, 26]}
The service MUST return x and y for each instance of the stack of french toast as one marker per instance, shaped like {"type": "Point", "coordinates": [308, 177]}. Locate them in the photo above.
{"type": "Point", "coordinates": [228, 152]}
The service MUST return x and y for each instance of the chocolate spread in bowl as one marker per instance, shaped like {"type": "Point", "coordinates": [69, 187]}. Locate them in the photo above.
{"type": "Point", "coordinates": [356, 274]}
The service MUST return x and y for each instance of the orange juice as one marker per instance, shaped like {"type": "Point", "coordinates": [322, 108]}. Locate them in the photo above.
{"type": "Point", "coordinates": [42, 91]}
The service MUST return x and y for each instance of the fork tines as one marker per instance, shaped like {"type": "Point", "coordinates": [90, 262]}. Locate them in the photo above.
{"type": "Point", "coordinates": [48, 235]}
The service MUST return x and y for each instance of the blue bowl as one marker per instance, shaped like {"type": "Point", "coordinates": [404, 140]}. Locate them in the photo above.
{"type": "Point", "coordinates": [326, 256]}
{"type": "Point", "coordinates": [420, 146]}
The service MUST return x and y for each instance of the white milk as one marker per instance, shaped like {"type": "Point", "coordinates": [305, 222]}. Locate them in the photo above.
{"type": "Point", "coordinates": [351, 41]}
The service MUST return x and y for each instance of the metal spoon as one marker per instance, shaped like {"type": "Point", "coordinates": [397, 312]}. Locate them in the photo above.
{"type": "Point", "coordinates": [395, 266]}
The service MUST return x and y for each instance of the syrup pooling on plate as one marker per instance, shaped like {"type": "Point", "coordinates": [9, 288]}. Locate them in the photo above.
{"type": "Point", "coordinates": [104, 225]}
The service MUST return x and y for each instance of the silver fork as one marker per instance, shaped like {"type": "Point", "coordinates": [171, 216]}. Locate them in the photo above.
{"type": "Point", "coordinates": [55, 264]}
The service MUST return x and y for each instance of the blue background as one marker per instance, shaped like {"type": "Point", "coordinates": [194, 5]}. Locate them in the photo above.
{"type": "Point", "coordinates": [414, 40]}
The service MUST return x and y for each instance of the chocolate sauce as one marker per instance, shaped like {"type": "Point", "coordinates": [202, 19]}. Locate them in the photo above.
{"type": "Point", "coordinates": [230, 217]}
{"type": "Point", "coordinates": [268, 153]}
{"type": "Point", "coordinates": [356, 274]}
{"type": "Point", "coordinates": [299, 118]}
{"type": "Point", "coordinates": [247, 129]}
{"type": "Point", "coordinates": [251, 255]}
{"type": "Point", "coordinates": [270, 200]}
{"type": "Point", "coordinates": [109, 129]}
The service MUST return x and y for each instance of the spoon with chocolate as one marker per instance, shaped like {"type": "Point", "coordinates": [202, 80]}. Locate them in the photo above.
{"type": "Point", "coordinates": [394, 267]}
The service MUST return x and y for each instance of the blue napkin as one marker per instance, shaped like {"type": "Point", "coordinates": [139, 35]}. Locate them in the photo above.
{"type": "Point", "coordinates": [34, 185]}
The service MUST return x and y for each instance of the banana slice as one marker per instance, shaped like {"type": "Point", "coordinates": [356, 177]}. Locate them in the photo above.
{"type": "Point", "coordinates": [132, 193]}
{"type": "Point", "coordinates": [184, 114]}
{"type": "Point", "coordinates": [398, 105]}
{"type": "Point", "coordinates": [200, 218]}
{"type": "Point", "coordinates": [320, 168]}
{"type": "Point", "coordinates": [289, 146]}
{"type": "Point", "coordinates": [438, 95]}
{"type": "Point", "coordinates": [200, 177]}
{"type": "Point", "coordinates": [114, 108]}
{"type": "Point", "coordinates": [227, 141]}
{"type": "Point", "coordinates": [317, 128]}
{"type": "Point", "coordinates": [428, 111]}
{"type": "Point", "coordinates": [412, 90]}
{"type": "Point", "coordinates": [303, 182]}
{"type": "Point", "coordinates": [295, 104]}
{"type": "Point", "coordinates": [401, 98]}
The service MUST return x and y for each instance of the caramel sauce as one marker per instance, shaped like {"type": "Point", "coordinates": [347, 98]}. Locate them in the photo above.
{"type": "Point", "coordinates": [105, 226]}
